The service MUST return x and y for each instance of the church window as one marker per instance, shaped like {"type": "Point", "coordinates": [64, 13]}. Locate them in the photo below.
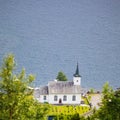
{"type": "Point", "coordinates": [55, 98]}
{"type": "Point", "coordinates": [64, 98]}
{"type": "Point", "coordinates": [73, 98]}
{"type": "Point", "coordinates": [44, 97]}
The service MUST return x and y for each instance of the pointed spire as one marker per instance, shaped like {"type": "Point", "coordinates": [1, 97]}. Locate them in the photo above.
{"type": "Point", "coordinates": [77, 71]}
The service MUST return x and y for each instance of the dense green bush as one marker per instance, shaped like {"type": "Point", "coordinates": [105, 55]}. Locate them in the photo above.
{"type": "Point", "coordinates": [16, 98]}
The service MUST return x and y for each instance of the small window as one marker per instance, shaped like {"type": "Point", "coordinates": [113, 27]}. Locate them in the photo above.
{"type": "Point", "coordinates": [44, 97]}
{"type": "Point", "coordinates": [64, 98]}
{"type": "Point", "coordinates": [73, 98]}
{"type": "Point", "coordinates": [55, 98]}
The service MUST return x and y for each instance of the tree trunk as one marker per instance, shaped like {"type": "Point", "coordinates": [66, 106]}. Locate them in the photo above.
{"type": "Point", "coordinates": [10, 114]}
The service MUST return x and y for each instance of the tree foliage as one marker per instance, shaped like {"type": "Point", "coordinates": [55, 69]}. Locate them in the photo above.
{"type": "Point", "coordinates": [16, 98]}
{"type": "Point", "coordinates": [110, 108]}
{"type": "Point", "coordinates": [61, 76]}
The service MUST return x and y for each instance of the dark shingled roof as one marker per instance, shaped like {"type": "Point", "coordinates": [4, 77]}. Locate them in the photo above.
{"type": "Point", "coordinates": [44, 90]}
{"type": "Point", "coordinates": [62, 87]}
{"type": "Point", "coordinates": [41, 91]}
{"type": "Point", "coordinates": [58, 87]}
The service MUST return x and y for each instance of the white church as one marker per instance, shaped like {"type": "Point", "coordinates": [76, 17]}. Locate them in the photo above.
{"type": "Point", "coordinates": [61, 92]}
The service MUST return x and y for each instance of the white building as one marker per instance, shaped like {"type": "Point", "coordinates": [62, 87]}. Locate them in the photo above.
{"type": "Point", "coordinates": [61, 92]}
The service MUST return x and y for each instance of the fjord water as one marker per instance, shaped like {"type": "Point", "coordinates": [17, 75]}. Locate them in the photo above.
{"type": "Point", "coordinates": [51, 36]}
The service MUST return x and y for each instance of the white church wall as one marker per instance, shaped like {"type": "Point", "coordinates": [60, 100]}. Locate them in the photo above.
{"type": "Point", "coordinates": [42, 98]}
{"type": "Point", "coordinates": [60, 99]}
{"type": "Point", "coordinates": [77, 80]}
{"type": "Point", "coordinates": [51, 99]}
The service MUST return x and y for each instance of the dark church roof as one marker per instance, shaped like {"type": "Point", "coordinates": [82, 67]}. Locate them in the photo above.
{"type": "Point", "coordinates": [41, 91]}
{"type": "Point", "coordinates": [58, 87]}
{"type": "Point", "coordinates": [62, 87]}
{"type": "Point", "coordinates": [77, 72]}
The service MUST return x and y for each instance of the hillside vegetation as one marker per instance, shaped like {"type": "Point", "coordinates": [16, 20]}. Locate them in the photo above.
{"type": "Point", "coordinates": [68, 110]}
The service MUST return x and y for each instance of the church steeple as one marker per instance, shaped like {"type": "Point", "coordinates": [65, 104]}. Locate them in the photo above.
{"type": "Point", "coordinates": [77, 77]}
{"type": "Point", "coordinates": [77, 72]}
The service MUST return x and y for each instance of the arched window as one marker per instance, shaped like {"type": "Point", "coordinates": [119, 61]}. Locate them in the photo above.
{"type": "Point", "coordinates": [55, 98]}
{"type": "Point", "coordinates": [44, 97]}
{"type": "Point", "coordinates": [73, 98]}
{"type": "Point", "coordinates": [64, 98]}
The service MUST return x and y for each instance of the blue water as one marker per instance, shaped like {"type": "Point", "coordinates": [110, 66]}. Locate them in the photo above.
{"type": "Point", "coordinates": [51, 36]}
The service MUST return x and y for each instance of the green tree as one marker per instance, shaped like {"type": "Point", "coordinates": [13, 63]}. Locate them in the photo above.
{"type": "Point", "coordinates": [107, 92]}
{"type": "Point", "coordinates": [111, 104]}
{"type": "Point", "coordinates": [110, 108]}
{"type": "Point", "coordinates": [16, 98]}
{"type": "Point", "coordinates": [92, 91]}
{"type": "Point", "coordinates": [61, 76]}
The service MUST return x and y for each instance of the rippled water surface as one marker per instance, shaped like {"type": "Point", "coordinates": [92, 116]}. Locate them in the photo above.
{"type": "Point", "coordinates": [51, 36]}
